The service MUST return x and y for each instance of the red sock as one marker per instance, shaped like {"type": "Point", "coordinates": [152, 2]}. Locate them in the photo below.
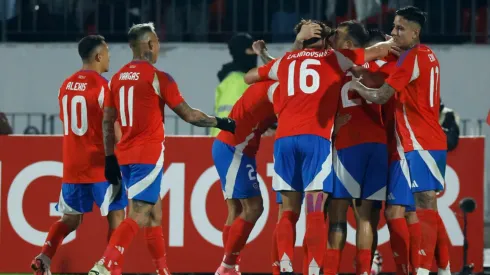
{"type": "Point", "coordinates": [156, 246]}
{"type": "Point", "coordinates": [274, 255]}
{"type": "Point", "coordinates": [286, 229]}
{"type": "Point", "coordinates": [315, 239]}
{"type": "Point", "coordinates": [415, 239]}
{"type": "Point", "coordinates": [331, 262]}
{"type": "Point", "coordinates": [443, 244]}
{"type": "Point", "coordinates": [117, 269]}
{"type": "Point", "coordinates": [226, 233]}
{"type": "Point", "coordinates": [400, 240]}
{"type": "Point", "coordinates": [363, 261]}
{"type": "Point", "coordinates": [305, 257]}
{"type": "Point", "coordinates": [57, 233]}
{"type": "Point", "coordinates": [428, 222]}
{"type": "Point", "coordinates": [120, 240]}
{"type": "Point", "coordinates": [239, 232]}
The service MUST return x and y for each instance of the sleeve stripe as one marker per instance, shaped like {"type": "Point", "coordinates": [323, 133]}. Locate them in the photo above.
{"type": "Point", "coordinates": [271, 90]}
{"type": "Point", "coordinates": [344, 62]}
{"type": "Point", "coordinates": [156, 85]}
{"type": "Point", "coordinates": [101, 98]}
{"type": "Point", "coordinates": [274, 69]}
{"type": "Point", "coordinates": [416, 69]}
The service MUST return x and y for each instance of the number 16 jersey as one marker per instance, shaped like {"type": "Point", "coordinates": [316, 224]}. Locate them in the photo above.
{"type": "Point", "coordinates": [139, 92]}
{"type": "Point", "coordinates": [310, 82]}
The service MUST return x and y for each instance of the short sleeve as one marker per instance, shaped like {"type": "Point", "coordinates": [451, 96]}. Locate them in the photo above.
{"type": "Point", "coordinates": [387, 68]}
{"type": "Point", "coordinates": [166, 87]}
{"type": "Point", "coordinates": [269, 70]}
{"type": "Point", "coordinates": [108, 98]}
{"type": "Point", "coordinates": [406, 70]}
{"type": "Point", "coordinates": [346, 59]}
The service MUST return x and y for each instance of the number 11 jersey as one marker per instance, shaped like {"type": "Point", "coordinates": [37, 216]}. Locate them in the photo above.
{"type": "Point", "coordinates": [140, 92]}
{"type": "Point", "coordinates": [310, 82]}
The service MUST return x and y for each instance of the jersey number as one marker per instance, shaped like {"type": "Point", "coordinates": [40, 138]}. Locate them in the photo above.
{"type": "Point", "coordinates": [434, 84]}
{"type": "Point", "coordinates": [344, 92]}
{"type": "Point", "coordinates": [122, 106]}
{"type": "Point", "coordinates": [304, 72]}
{"type": "Point", "coordinates": [73, 118]}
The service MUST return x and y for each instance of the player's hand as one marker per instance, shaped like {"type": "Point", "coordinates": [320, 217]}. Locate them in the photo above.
{"type": "Point", "coordinates": [259, 46]}
{"type": "Point", "coordinates": [395, 50]}
{"type": "Point", "coordinates": [340, 120]}
{"type": "Point", "coordinates": [226, 124]}
{"type": "Point", "coordinates": [309, 30]}
{"type": "Point", "coordinates": [112, 170]}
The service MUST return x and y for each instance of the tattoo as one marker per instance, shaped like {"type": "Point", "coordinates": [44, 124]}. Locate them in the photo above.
{"type": "Point", "coordinates": [108, 130]}
{"type": "Point", "coordinates": [194, 116]}
{"type": "Point", "coordinates": [337, 227]}
{"type": "Point", "coordinates": [426, 200]}
{"type": "Point", "coordinates": [265, 56]}
{"type": "Point", "coordinates": [379, 96]}
{"type": "Point", "coordinates": [148, 56]}
{"type": "Point", "coordinates": [297, 45]}
{"type": "Point", "coordinates": [142, 207]}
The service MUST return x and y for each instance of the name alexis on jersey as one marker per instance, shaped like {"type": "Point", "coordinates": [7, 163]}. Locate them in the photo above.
{"type": "Point", "coordinates": [129, 76]}
{"type": "Point", "coordinates": [76, 86]}
{"type": "Point", "coordinates": [308, 54]}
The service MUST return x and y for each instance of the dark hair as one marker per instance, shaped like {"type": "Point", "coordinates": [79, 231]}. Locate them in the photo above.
{"type": "Point", "coordinates": [137, 31]}
{"type": "Point", "coordinates": [413, 14]}
{"type": "Point", "coordinates": [357, 32]}
{"type": "Point", "coordinates": [325, 33]}
{"type": "Point", "coordinates": [376, 36]}
{"type": "Point", "coordinates": [88, 44]}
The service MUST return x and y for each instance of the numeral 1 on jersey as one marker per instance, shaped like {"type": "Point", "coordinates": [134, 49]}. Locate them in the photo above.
{"type": "Point", "coordinates": [122, 106]}
{"type": "Point", "coordinates": [434, 81]}
{"type": "Point", "coordinates": [304, 72]}
{"type": "Point", "coordinates": [73, 118]}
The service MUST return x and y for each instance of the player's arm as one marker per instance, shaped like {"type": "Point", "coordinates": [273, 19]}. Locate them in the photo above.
{"type": "Point", "coordinates": [169, 91]}
{"type": "Point", "coordinates": [108, 130]}
{"type": "Point", "coordinates": [261, 50]}
{"type": "Point", "coordinates": [381, 50]}
{"type": "Point", "coordinates": [379, 96]}
{"type": "Point", "coordinates": [308, 31]}
{"type": "Point", "coordinates": [264, 72]}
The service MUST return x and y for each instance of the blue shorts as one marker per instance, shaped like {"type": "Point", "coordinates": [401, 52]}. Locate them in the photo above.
{"type": "Point", "coordinates": [361, 172]}
{"type": "Point", "coordinates": [399, 189]}
{"type": "Point", "coordinates": [238, 172]}
{"type": "Point", "coordinates": [80, 198]}
{"type": "Point", "coordinates": [427, 170]}
{"type": "Point", "coordinates": [143, 181]}
{"type": "Point", "coordinates": [278, 198]}
{"type": "Point", "coordinates": [302, 163]}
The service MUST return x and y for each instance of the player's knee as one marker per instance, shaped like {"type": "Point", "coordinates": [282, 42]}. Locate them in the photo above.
{"type": "Point", "coordinates": [140, 212]}
{"type": "Point", "coordinates": [72, 221]}
{"type": "Point", "coordinates": [253, 209]}
{"type": "Point", "coordinates": [234, 208]}
{"type": "Point", "coordinates": [394, 212]}
{"type": "Point", "coordinates": [426, 200]}
{"type": "Point", "coordinates": [114, 218]}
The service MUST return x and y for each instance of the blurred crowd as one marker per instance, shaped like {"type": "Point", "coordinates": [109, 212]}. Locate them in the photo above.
{"type": "Point", "coordinates": [217, 20]}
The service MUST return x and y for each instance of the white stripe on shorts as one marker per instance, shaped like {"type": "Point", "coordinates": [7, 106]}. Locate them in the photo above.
{"type": "Point", "coordinates": [141, 185]}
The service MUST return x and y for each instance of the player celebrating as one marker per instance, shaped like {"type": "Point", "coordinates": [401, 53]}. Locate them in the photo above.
{"type": "Point", "coordinates": [234, 158]}
{"type": "Point", "coordinates": [306, 108]}
{"type": "Point", "coordinates": [359, 160]}
{"type": "Point", "coordinates": [80, 99]}
{"type": "Point", "coordinates": [138, 93]}
{"type": "Point", "coordinates": [417, 80]}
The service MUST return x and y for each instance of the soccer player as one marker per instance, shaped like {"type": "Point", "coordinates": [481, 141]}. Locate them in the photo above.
{"type": "Point", "coordinates": [416, 81]}
{"type": "Point", "coordinates": [80, 99]}
{"type": "Point", "coordinates": [138, 94]}
{"type": "Point", "coordinates": [234, 158]}
{"type": "Point", "coordinates": [306, 107]}
{"type": "Point", "coordinates": [359, 160]}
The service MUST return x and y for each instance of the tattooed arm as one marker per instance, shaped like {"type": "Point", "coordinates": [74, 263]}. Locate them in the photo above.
{"type": "Point", "coordinates": [379, 96]}
{"type": "Point", "coordinates": [194, 116]}
{"type": "Point", "coordinates": [108, 130]}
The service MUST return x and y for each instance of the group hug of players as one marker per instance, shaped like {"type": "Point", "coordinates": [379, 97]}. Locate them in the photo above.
{"type": "Point", "coordinates": [335, 139]}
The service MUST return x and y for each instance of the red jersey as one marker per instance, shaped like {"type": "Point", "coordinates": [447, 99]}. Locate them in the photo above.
{"type": "Point", "coordinates": [366, 124]}
{"type": "Point", "coordinates": [309, 89]}
{"type": "Point", "coordinates": [253, 114]}
{"type": "Point", "coordinates": [81, 100]}
{"type": "Point", "coordinates": [417, 79]}
{"type": "Point", "coordinates": [139, 92]}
